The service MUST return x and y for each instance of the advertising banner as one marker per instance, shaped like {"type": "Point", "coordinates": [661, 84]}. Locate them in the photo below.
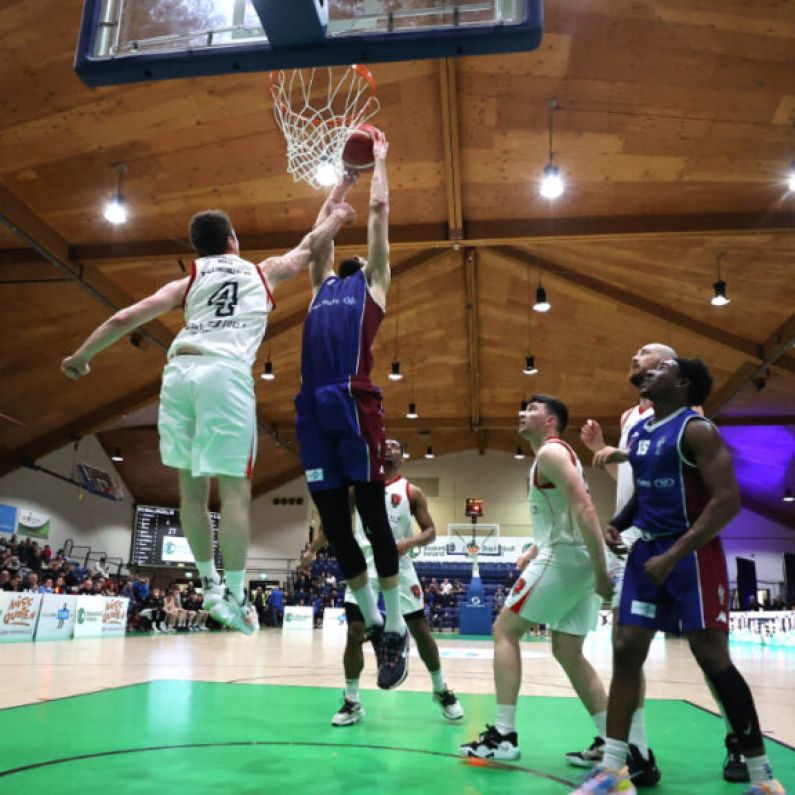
{"type": "Point", "coordinates": [33, 524]}
{"type": "Point", "coordinates": [114, 619]}
{"type": "Point", "coordinates": [334, 623]}
{"type": "Point", "coordinates": [57, 617]}
{"type": "Point", "coordinates": [453, 549]}
{"type": "Point", "coordinates": [18, 615]}
{"type": "Point", "coordinates": [90, 610]}
{"type": "Point", "coordinates": [8, 519]}
{"type": "Point", "coordinates": [297, 618]}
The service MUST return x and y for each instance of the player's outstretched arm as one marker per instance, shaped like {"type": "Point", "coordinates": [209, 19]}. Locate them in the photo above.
{"type": "Point", "coordinates": [279, 269]}
{"type": "Point", "coordinates": [702, 444]}
{"type": "Point", "coordinates": [420, 512]}
{"type": "Point", "coordinates": [377, 271]}
{"type": "Point", "coordinates": [337, 195]}
{"type": "Point", "coordinates": [124, 321]}
{"type": "Point", "coordinates": [593, 438]}
{"type": "Point", "coordinates": [555, 465]}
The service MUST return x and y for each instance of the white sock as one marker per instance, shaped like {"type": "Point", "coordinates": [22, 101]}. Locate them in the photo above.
{"type": "Point", "coordinates": [637, 732]}
{"type": "Point", "coordinates": [208, 571]}
{"type": "Point", "coordinates": [615, 754]}
{"type": "Point", "coordinates": [234, 582]}
{"type": "Point", "coordinates": [369, 609]}
{"type": "Point", "coordinates": [394, 617]}
{"type": "Point", "coordinates": [437, 680]}
{"type": "Point", "coordinates": [759, 768]}
{"type": "Point", "coordinates": [352, 689]}
{"type": "Point", "coordinates": [506, 718]}
{"type": "Point", "coordinates": [600, 720]}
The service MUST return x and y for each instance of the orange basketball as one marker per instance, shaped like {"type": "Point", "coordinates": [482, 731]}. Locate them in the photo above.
{"type": "Point", "coordinates": [358, 152]}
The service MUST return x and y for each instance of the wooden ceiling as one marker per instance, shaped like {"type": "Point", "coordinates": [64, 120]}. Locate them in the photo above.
{"type": "Point", "coordinates": [675, 132]}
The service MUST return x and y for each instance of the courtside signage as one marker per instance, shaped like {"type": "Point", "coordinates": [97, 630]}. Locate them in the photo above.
{"type": "Point", "coordinates": [114, 619]}
{"type": "Point", "coordinates": [57, 617]}
{"type": "Point", "coordinates": [18, 615]}
{"type": "Point", "coordinates": [88, 619]}
{"type": "Point", "coordinates": [297, 617]}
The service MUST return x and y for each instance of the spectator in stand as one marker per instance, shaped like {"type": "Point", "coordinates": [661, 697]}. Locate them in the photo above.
{"type": "Point", "coordinates": [15, 584]}
{"type": "Point", "coordinates": [47, 587]}
{"type": "Point", "coordinates": [46, 554]}
{"type": "Point", "coordinates": [446, 588]}
{"type": "Point", "coordinates": [259, 604]}
{"type": "Point", "coordinates": [5, 580]}
{"type": "Point", "coordinates": [73, 579]}
{"type": "Point", "coordinates": [141, 589]}
{"type": "Point", "coordinates": [32, 582]}
{"type": "Point", "coordinates": [60, 585]}
{"type": "Point", "coordinates": [499, 599]}
{"type": "Point", "coordinates": [100, 568]}
{"type": "Point", "coordinates": [128, 592]}
{"type": "Point", "coordinates": [436, 618]}
{"type": "Point", "coordinates": [458, 588]}
{"type": "Point", "coordinates": [331, 580]}
{"type": "Point", "coordinates": [753, 604]}
{"type": "Point", "coordinates": [153, 610]}
{"type": "Point", "coordinates": [276, 605]}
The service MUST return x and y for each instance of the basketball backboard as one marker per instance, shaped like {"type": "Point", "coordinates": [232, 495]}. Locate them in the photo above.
{"type": "Point", "coordinates": [125, 41]}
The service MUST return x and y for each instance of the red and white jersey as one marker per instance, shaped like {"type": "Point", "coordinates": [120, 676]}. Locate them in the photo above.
{"type": "Point", "coordinates": [554, 522]}
{"type": "Point", "coordinates": [625, 485]}
{"type": "Point", "coordinates": [226, 309]}
{"type": "Point", "coordinates": [398, 511]}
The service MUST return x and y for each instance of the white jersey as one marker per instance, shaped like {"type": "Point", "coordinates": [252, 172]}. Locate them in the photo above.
{"type": "Point", "coordinates": [398, 511]}
{"type": "Point", "coordinates": [226, 309]}
{"type": "Point", "coordinates": [553, 520]}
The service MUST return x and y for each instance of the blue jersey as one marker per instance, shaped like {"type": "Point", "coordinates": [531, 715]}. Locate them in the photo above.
{"type": "Point", "coordinates": [670, 492]}
{"type": "Point", "coordinates": [339, 332]}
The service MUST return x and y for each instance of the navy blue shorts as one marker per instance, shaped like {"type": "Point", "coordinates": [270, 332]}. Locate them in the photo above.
{"type": "Point", "coordinates": [341, 433]}
{"type": "Point", "coordinates": [695, 596]}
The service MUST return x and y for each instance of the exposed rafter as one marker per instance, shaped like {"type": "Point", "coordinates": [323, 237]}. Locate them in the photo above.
{"type": "Point", "coordinates": [448, 91]}
{"type": "Point", "coordinates": [473, 342]}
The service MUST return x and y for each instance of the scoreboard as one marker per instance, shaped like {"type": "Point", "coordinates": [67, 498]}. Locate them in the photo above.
{"type": "Point", "coordinates": [158, 539]}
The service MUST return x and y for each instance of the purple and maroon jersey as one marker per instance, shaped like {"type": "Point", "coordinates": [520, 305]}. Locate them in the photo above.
{"type": "Point", "coordinates": [339, 331]}
{"type": "Point", "coordinates": [671, 494]}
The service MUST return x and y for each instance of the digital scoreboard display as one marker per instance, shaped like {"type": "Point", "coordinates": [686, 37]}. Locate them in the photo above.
{"type": "Point", "coordinates": [158, 539]}
{"type": "Point", "coordinates": [473, 507]}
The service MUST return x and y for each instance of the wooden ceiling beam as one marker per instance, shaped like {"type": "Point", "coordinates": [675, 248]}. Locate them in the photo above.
{"type": "Point", "coordinates": [640, 303]}
{"type": "Point", "coordinates": [452, 147]}
{"type": "Point", "coordinates": [473, 342]}
{"type": "Point", "coordinates": [476, 234]}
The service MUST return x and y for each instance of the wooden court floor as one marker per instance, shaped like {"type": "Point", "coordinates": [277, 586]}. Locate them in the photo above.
{"type": "Point", "coordinates": [265, 703]}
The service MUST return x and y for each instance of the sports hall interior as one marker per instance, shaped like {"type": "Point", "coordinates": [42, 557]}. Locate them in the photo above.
{"type": "Point", "coordinates": [674, 128]}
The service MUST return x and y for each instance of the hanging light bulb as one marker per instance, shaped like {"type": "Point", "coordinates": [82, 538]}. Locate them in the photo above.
{"type": "Point", "coordinates": [519, 454]}
{"type": "Point", "coordinates": [429, 452]}
{"type": "Point", "coordinates": [791, 179]}
{"type": "Point", "coordinates": [267, 372]}
{"type": "Point", "coordinates": [530, 365]}
{"type": "Point", "coordinates": [406, 453]}
{"type": "Point", "coordinates": [117, 455]}
{"type": "Point", "coordinates": [788, 496]}
{"type": "Point", "coordinates": [552, 184]}
{"type": "Point", "coordinates": [719, 297]}
{"type": "Point", "coordinates": [115, 211]}
{"type": "Point", "coordinates": [541, 304]}
{"type": "Point", "coordinates": [395, 375]}
{"type": "Point", "coordinates": [327, 175]}
{"type": "Point", "coordinates": [412, 412]}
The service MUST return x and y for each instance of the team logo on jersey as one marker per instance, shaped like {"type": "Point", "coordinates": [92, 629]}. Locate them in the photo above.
{"type": "Point", "coordinates": [520, 583]}
{"type": "Point", "coordinates": [415, 589]}
{"type": "Point", "coordinates": [396, 499]}
{"type": "Point", "coordinates": [659, 445]}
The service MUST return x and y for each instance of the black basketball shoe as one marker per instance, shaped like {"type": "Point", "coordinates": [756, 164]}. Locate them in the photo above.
{"type": "Point", "coordinates": [643, 772]}
{"type": "Point", "coordinates": [734, 767]}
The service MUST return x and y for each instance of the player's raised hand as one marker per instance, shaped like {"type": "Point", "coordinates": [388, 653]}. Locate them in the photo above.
{"type": "Point", "coordinates": [592, 436]}
{"type": "Point", "coordinates": [380, 145]}
{"type": "Point", "coordinates": [610, 455]}
{"type": "Point", "coordinates": [75, 367]}
{"type": "Point", "coordinates": [344, 211]}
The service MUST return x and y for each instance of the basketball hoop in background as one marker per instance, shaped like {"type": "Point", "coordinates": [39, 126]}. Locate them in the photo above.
{"type": "Point", "coordinates": [473, 550]}
{"type": "Point", "coordinates": [316, 109]}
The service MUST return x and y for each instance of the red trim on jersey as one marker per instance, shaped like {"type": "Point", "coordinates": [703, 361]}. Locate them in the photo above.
{"type": "Point", "coordinates": [190, 282]}
{"type": "Point", "coordinates": [714, 581]}
{"type": "Point", "coordinates": [572, 455]}
{"type": "Point", "coordinates": [265, 285]}
{"type": "Point", "coordinates": [394, 480]}
{"type": "Point", "coordinates": [250, 465]}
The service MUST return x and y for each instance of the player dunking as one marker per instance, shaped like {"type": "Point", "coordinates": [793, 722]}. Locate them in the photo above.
{"type": "Point", "coordinates": [642, 765]}
{"type": "Point", "coordinates": [675, 578]}
{"type": "Point", "coordinates": [561, 585]}
{"type": "Point", "coordinates": [207, 421]}
{"type": "Point", "coordinates": [404, 502]}
{"type": "Point", "coordinates": [340, 423]}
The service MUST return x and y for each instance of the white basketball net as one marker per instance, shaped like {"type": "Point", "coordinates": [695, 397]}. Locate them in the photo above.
{"type": "Point", "coordinates": [316, 109]}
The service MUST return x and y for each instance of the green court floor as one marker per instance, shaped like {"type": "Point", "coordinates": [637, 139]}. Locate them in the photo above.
{"type": "Point", "coordinates": [196, 737]}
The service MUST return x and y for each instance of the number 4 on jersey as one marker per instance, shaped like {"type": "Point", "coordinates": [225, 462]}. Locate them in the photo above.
{"type": "Point", "coordinates": [224, 299]}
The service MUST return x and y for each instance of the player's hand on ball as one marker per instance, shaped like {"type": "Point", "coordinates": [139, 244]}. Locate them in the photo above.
{"type": "Point", "coordinates": [592, 436]}
{"type": "Point", "coordinates": [658, 568]}
{"type": "Point", "coordinates": [610, 455]}
{"type": "Point", "coordinates": [403, 546]}
{"type": "Point", "coordinates": [603, 585]}
{"type": "Point", "coordinates": [380, 145]}
{"type": "Point", "coordinates": [75, 367]}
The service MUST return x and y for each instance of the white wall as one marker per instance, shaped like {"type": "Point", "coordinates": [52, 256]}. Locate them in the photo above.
{"type": "Point", "coordinates": [92, 521]}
